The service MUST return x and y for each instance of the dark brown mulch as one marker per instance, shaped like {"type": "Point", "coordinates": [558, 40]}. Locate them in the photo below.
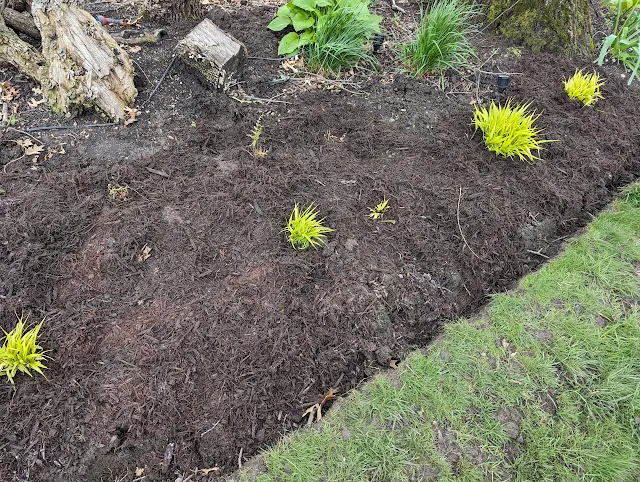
{"type": "Point", "coordinates": [221, 339]}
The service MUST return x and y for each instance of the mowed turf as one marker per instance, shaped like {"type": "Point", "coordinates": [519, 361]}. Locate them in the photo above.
{"type": "Point", "coordinates": [544, 386]}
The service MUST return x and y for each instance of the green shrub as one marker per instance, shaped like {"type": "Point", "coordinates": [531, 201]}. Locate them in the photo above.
{"type": "Point", "coordinates": [442, 40]}
{"type": "Point", "coordinates": [584, 87]}
{"type": "Point", "coordinates": [509, 131]}
{"type": "Point", "coordinates": [624, 43]}
{"type": "Point", "coordinates": [341, 34]}
{"type": "Point", "coordinates": [20, 351]}
{"type": "Point", "coordinates": [304, 229]}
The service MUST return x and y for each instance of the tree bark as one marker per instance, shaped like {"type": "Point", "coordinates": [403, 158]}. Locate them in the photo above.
{"type": "Point", "coordinates": [80, 66]}
{"type": "Point", "coordinates": [558, 25]}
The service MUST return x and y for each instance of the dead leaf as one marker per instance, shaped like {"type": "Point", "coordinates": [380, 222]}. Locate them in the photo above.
{"type": "Point", "coordinates": [24, 143]}
{"type": "Point", "coordinates": [33, 102]}
{"type": "Point", "coordinates": [139, 471]}
{"type": "Point", "coordinates": [34, 150]}
{"type": "Point", "coordinates": [133, 49]}
{"type": "Point", "coordinates": [311, 412]}
{"type": "Point", "coordinates": [207, 471]}
{"type": "Point", "coordinates": [146, 253]}
{"type": "Point", "coordinates": [393, 363]}
{"type": "Point", "coordinates": [330, 395]}
{"type": "Point", "coordinates": [133, 114]}
{"type": "Point", "coordinates": [8, 92]}
{"type": "Point", "coordinates": [36, 90]}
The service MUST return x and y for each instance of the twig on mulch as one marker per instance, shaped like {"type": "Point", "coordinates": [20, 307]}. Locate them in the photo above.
{"type": "Point", "coordinates": [460, 227]}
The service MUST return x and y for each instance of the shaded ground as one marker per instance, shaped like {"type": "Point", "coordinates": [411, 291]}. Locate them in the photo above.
{"type": "Point", "coordinates": [221, 339]}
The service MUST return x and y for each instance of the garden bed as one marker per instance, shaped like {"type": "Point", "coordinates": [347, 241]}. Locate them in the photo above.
{"type": "Point", "coordinates": [220, 339]}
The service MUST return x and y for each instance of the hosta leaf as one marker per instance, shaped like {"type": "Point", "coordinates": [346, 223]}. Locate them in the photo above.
{"type": "Point", "coordinates": [323, 3]}
{"type": "Point", "coordinates": [307, 38]}
{"type": "Point", "coordinates": [308, 5]}
{"type": "Point", "coordinates": [289, 44]}
{"type": "Point", "coordinates": [302, 20]}
{"type": "Point", "coordinates": [279, 23]}
{"type": "Point", "coordinates": [284, 11]}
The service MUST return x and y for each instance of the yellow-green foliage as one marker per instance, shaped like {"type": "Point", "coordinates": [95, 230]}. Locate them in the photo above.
{"type": "Point", "coordinates": [304, 229]}
{"type": "Point", "coordinates": [256, 132]}
{"type": "Point", "coordinates": [508, 130]}
{"type": "Point", "coordinates": [584, 87]}
{"type": "Point", "coordinates": [381, 208]}
{"type": "Point", "coordinates": [20, 351]}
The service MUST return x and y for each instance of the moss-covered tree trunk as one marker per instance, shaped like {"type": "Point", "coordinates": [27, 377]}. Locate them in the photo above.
{"type": "Point", "coordinates": [558, 25]}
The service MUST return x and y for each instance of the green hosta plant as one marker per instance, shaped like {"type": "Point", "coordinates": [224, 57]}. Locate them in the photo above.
{"type": "Point", "coordinates": [304, 229]}
{"type": "Point", "coordinates": [509, 131]}
{"type": "Point", "coordinates": [584, 87]}
{"type": "Point", "coordinates": [311, 19]}
{"type": "Point", "coordinates": [21, 352]}
{"type": "Point", "coordinates": [303, 16]}
{"type": "Point", "coordinates": [624, 43]}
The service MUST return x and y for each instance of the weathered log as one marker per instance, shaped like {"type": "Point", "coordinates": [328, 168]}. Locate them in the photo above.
{"type": "Point", "coordinates": [85, 67]}
{"type": "Point", "coordinates": [213, 53]}
{"type": "Point", "coordinates": [21, 21]}
{"type": "Point", "coordinates": [20, 54]}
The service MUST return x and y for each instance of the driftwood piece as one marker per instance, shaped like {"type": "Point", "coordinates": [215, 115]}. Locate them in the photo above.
{"type": "Point", "coordinates": [213, 53]}
{"type": "Point", "coordinates": [21, 21]}
{"type": "Point", "coordinates": [85, 67]}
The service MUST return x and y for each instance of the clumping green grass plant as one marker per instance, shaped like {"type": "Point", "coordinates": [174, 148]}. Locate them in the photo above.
{"type": "Point", "coordinates": [20, 351]}
{"type": "Point", "coordinates": [442, 41]}
{"type": "Point", "coordinates": [341, 36]}
{"type": "Point", "coordinates": [304, 229]}
{"type": "Point", "coordinates": [584, 87]}
{"type": "Point", "coordinates": [509, 131]}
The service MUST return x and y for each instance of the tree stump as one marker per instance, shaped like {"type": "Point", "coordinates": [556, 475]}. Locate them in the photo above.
{"type": "Point", "coordinates": [214, 54]}
{"type": "Point", "coordinates": [80, 66]}
{"type": "Point", "coordinates": [86, 67]}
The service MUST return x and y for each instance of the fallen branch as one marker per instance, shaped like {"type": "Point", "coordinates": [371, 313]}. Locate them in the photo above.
{"type": "Point", "coordinates": [21, 21]}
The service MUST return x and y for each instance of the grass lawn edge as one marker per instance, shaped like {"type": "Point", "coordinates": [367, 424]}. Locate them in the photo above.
{"type": "Point", "coordinates": [544, 385]}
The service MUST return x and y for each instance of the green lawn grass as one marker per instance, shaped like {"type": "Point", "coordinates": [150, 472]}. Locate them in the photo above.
{"type": "Point", "coordinates": [545, 386]}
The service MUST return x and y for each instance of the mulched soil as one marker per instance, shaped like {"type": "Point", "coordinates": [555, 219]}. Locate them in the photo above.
{"type": "Point", "coordinates": [216, 344]}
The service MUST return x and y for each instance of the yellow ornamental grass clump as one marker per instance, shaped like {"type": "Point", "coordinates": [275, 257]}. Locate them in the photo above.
{"type": "Point", "coordinates": [304, 229]}
{"type": "Point", "coordinates": [20, 351]}
{"type": "Point", "coordinates": [584, 87]}
{"type": "Point", "coordinates": [509, 131]}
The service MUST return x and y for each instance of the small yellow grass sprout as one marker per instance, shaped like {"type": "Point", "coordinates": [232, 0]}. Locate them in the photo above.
{"type": "Point", "coordinates": [378, 212]}
{"type": "Point", "coordinates": [304, 229]}
{"type": "Point", "coordinates": [20, 351]}
{"type": "Point", "coordinates": [584, 87]}
{"type": "Point", "coordinates": [508, 130]}
{"type": "Point", "coordinates": [117, 192]}
{"type": "Point", "coordinates": [257, 151]}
